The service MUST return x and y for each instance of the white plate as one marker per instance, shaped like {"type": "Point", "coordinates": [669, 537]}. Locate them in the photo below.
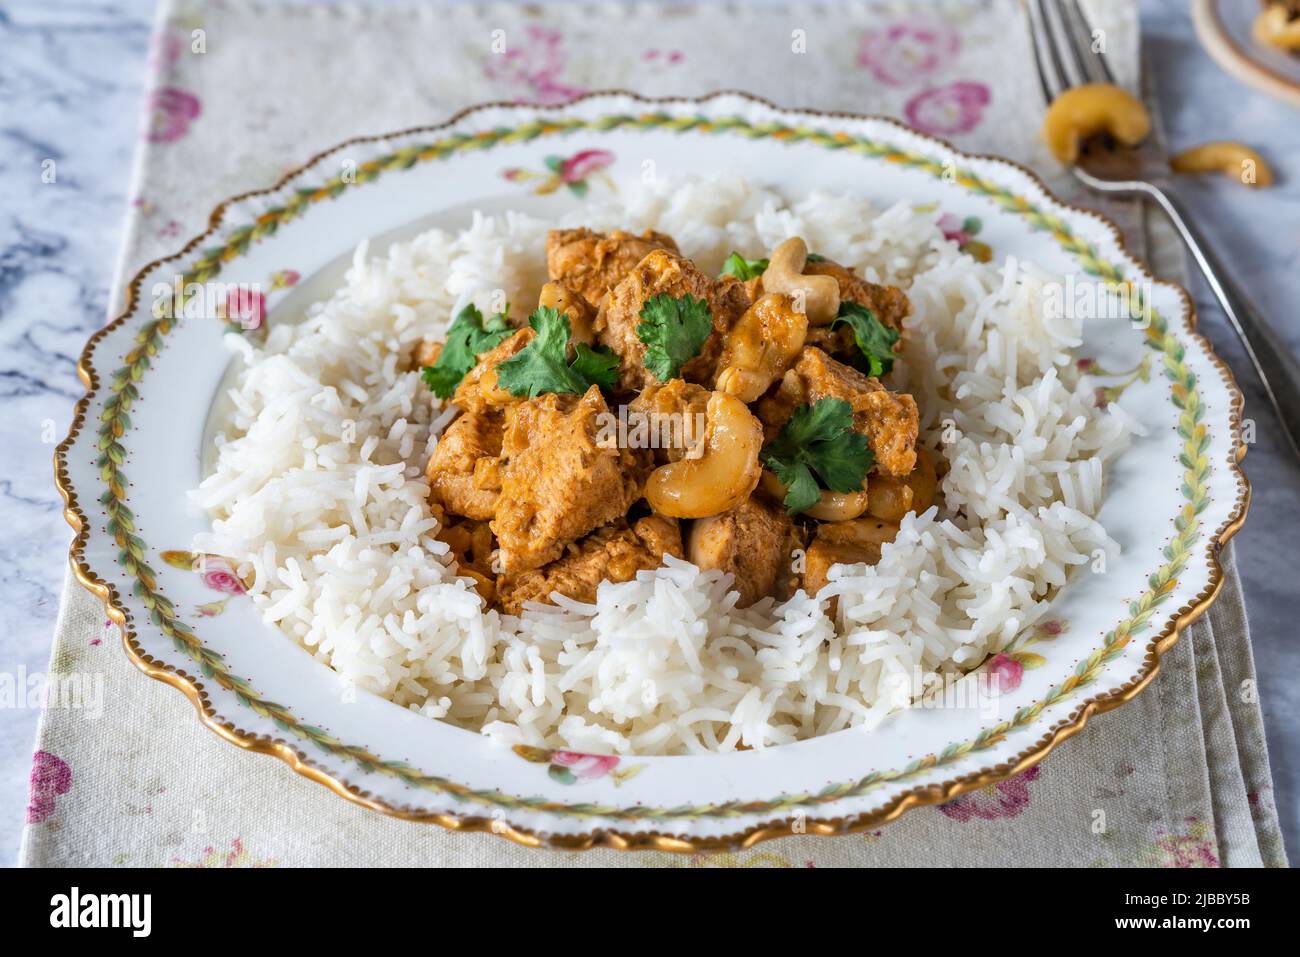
{"type": "Point", "coordinates": [137, 445]}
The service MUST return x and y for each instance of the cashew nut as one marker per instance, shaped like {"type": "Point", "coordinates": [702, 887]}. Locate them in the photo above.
{"type": "Point", "coordinates": [820, 295]}
{"type": "Point", "coordinates": [831, 507]}
{"type": "Point", "coordinates": [1084, 111]}
{"type": "Point", "coordinates": [892, 498]}
{"type": "Point", "coordinates": [762, 344]}
{"type": "Point", "coordinates": [564, 300]}
{"type": "Point", "coordinates": [1234, 159]}
{"type": "Point", "coordinates": [1274, 27]}
{"type": "Point", "coordinates": [719, 479]}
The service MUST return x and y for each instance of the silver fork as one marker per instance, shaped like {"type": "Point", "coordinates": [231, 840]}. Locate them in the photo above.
{"type": "Point", "coordinates": [1064, 54]}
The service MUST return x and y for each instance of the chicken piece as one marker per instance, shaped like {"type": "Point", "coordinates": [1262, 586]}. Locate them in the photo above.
{"type": "Point", "coordinates": [753, 541]}
{"type": "Point", "coordinates": [614, 553]}
{"type": "Point", "coordinates": [665, 273]}
{"type": "Point", "coordinates": [854, 542]}
{"type": "Point", "coordinates": [471, 546]}
{"type": "Point", "coordinates": [557, 481]}
{"type": "Point", "coordinates": [470, 542]}
{"type": "Point", "coordinates": [479, 390]}
{"type": "Point", "coordinates": [567, 302]}
{"type": "Point", "coordinates": [464, 471]}
{"type": "Point", "coordinates": [674, 414]}
{"type": "Point", "coordinates": [738, 295]}
{"type": "Point", "coordinates": [753, 288]}
{"type": "Point", "coordinates": [836, 341]}
{"type": "Point", "coordinates": [663, 536]}
{"type": "Point", "coordinates": [591, 263]}
{"type": "Point", "coordinates": [889, 303]}
{"type": "Point", "coordinates": [889, 420]}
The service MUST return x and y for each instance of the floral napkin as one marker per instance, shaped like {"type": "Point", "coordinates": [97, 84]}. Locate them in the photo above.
{"type": "Point", "coordinates": [244, 91]}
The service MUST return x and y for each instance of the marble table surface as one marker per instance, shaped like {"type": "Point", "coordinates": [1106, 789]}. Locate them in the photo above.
{"type": "Point", "coordinates": [71, 86]}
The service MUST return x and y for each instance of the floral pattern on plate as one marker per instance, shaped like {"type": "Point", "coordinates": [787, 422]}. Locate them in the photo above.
{"type": "Point", "coordinates": [572, 172]}
{"type": "Point", "coordinates": [218, 573]}
{"type": "Point", "coordinates": [572, 767]}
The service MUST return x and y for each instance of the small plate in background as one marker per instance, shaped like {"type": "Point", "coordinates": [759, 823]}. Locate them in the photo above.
{"type": "Point", "coordinates": [1224, 29]}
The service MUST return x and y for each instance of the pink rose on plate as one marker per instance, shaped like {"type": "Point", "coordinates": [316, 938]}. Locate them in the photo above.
{"type": "Point", "coordinates": [51, 777]}
{"type": "Point", "coordinates": [949, 109]}
{"type": "Point", "coordinates": [245, 306]}
{"type": "Point", "coordinates": [284, 278]}
{"type": "Point", "coordinates": [584, 766]}
{"type": "Point", "coordinates": [172, 110]}
{"type": "Point", "coordinates": [1004, 673]}
{"type": "Point", "coordinates": [907, 50]}
{"type": "Point", "coordinates": [219, 574]}
{"type": "Point", "coordinates": [954, 229]}
{"type": "Point", "coordinates": [580, 165]}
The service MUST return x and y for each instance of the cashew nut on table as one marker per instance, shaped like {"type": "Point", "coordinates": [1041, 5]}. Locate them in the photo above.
{"type": "Point", "coordinates": [1275, 27]}
{"type": "Point", "coordinates": [1082, 112]}
{"type": "Point", "coordinates": [1233, 159]}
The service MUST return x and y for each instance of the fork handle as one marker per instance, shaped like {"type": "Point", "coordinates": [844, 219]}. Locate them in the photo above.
{"type": "Point", "coordinates": [1277, 368]}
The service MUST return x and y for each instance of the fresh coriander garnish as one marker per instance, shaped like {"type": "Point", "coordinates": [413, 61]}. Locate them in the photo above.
{"type": "Point", "coordinates": [875, 339]}
{"type": "Point", "coordinates": [818, 443]}
{"type": "Point", "coordinates": [742, 268]}
{"type": "Point", "coordinates": [597, 366]}
{"type": "Point", "coordinates": [467, 338]}
{"type": "Point", "coordinates": [815, 258]}
{"type": "Point", "coordinates": [673, 331]}
{"type": "Point", "coordinates": [542, 366]}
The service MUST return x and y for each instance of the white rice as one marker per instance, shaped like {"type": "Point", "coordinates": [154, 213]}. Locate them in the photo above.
{"type": "Point", "coordinates": [319, 491]}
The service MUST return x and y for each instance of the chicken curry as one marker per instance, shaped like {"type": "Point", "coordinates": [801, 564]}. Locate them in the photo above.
{"type": "Point", "coordinates": [787, 454]}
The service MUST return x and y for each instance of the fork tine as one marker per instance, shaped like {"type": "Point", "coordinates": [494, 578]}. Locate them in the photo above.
{"type": "Point", "coordinates": [1066, 43]}
{"type": "Point", "coordinates": [1094, 61]}
{"type": "Point", "coordinates": [1050, 76]}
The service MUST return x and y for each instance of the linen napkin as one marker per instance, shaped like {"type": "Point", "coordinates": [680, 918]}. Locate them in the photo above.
{"type": "Point", "coordinates": [244, 91]}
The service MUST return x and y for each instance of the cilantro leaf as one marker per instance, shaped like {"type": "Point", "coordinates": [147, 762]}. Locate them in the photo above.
{"type": "Point", "coordinates": [816, 258]}
{"type": "Point", "coordinates": [467, 338]}
{"type": "Point", "coordinates": [599, 365]}
{"type": "Point", "coordinates": [818, 443]}
{"type": "Point", "coordinates": [673, 331]}
{"type": "Point", "coordinates": [542, 366]}
{"type": "Point", "coordinates": [801, 491]}
{"type": "Point", "coordinates": [742, 268]}
{"type": "Point", "coordinates": [875, 339]}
